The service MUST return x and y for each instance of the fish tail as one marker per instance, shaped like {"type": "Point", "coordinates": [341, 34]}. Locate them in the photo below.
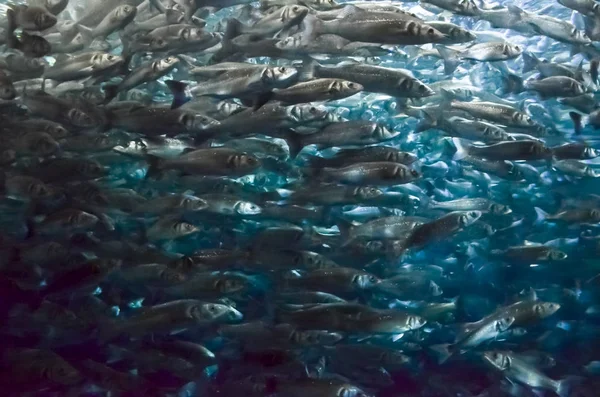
{"type": "Point", "coordinates": [315, 161]}
{"type": "Point", "coordinates": [594, 69]}
{"type": "Point", "coordinates": [156, 165]}
{"type": "Point", "coordinates": [11, 40]}
{"type": "Point", "coordinates": [345, 230]}
{"type": "Point", "coordinates": [450, 57]}
{"type": "Point", "coordinates": [158, 5]}
{"type": "Point", "coordinates": [234, 28]}
{"type": "Point", "coordinates": [179, 91]}
{"type": "Point", "coordinates": [307, 70]}
{"type": "Point", "coordinates": [541, 215]}
{"type": "Point", "coordinates": [313, 27]}
{"type": "Point", "coordinates": [110, 92]}
{"type": "Point", "coordinates": [565, 386]}
{"type": "Point", "coordinates": [512, 84]}
{"type": "Point", "coordinates": [261, 99]}
{"type": "Point", "coordinates": [516, 14]}
{"type": "Point", "coordinates": [577, 122]}
{"type": "Point", "coordinates": [428, 119]}
{"type": "Point", "coordinates": [443, 351]}
{"type": "Point", "coordinates": [530, 62]}
{"type": "Point", "coordinates": [86, 34]}
{"type": "Point", "coordinates": [462, 149]}
{"type": "Point", "coordinates": [294, 142]}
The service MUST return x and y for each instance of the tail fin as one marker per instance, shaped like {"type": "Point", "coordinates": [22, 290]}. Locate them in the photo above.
{"type": "Point", "coordinates": [462, 150]}
{"type": "Point", "coordinates": [11, 40]}
{"type": "Point", "coordinates": [234, 28]}
{"type": "Point", "coordinates": [428, 120]}
{"type": "Point", "coordinates": [86, 34]}
{"type": "Point", "coordinates": [315, 161]}
{"type": "Point", "coordinates": [444, 352]}
{"type": "Point", "coordinates": [155, 165]}
{"type": "Point", "coordinates": [159, 6]}
{"type": "Point", "coordinates": [594, 69]}
{"type": "Point", "coordinates": [110, 92]}
{"type": "Point", "coordinates": [516, 14]}
{"type": "Point", "coordinates": [530, 62]}
{"type": "Point", "coordinates": [450, 57]}
{"type": "Point", "coordinates": [260, 100]}
{"type": "Point", "coordinates": [180, 93]}
{"type": "Point", "coordinates": [541, 215]}
{"type": "Point", "coordinates": [566, 385]}
{"type": "Point", "coordinates": [312, 28]}
{"type": "Point", "coordinates": [577, 122]}
{"type": "Point", "coordinates": [591, 27]}
{"type": "Point", "coordinates": [345, 230]}
{"type": "Point", "coordinates": [512, 84]}
{"type": "Point", "coordinates": [294, 142]}
{"type": "Point", "coordinates": [307, 71]}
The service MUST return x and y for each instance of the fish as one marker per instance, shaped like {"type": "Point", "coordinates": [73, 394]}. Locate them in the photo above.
{"type": "Point", "coordinates": [299, 197]}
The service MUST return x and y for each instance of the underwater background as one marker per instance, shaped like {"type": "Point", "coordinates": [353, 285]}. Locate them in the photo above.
{"type": "Point", "coordinates": [299, 198]}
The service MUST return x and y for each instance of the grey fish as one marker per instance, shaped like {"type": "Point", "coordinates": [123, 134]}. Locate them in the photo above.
{"type": "Point", "coordinates": [375, 27]}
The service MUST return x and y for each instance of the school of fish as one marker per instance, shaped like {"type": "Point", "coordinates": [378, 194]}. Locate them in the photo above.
{"type": "Point", "coordinates": [299, 198]}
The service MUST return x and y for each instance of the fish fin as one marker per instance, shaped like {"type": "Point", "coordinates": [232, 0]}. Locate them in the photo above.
{"type": "Point", "coordinates": [11, 40]}
{"type": "Point", "coordinates": [86, 34]}
{"type": "Point", "coordinates": [444, 352]}
{"type": "Point", "coordinates": [512, 84]}
{"type": "Point", "coordinates": [294, 142]}
{"type": "Point", "coordinates": [312, 28]}
{"type": "Point", "coordinates": [575, 49]}
{"type": "Point", "coordinates": [566, 385]}
{"type": "Point", "coordinates": [345, 230]}
{"type": "Point", "coordinates": [187, 60]}
{"type": "Point", "coordinates": [594, 69]}
{"type": "Point", "coordinates": [450, 57]}
{"type": "Point", "coordinates": [155, 165]}
{"type": "Point", "coordinates": [179, 91]}
{"type": "Point", "coordinates": [424, 125]}
{"type": "Point", "coordinates": [529, 295]}
{"type": "Point", "coordinates": [234, 28]}
{"type": "Point", "coordinates": [541, 215]}
{"type": "Point", "coordinates": [515, 14]}
{"type": "Point", "coordinates": [110, 92]}
{"type": "Point", "coordinates": [530, 62]}
{"type": "Point", "coordinates": [462, 149]}
{"type": "Point", "coordinates": [315, 161]}
{"type": "Point", "coordinates": [349, 10]}
{"type": "Point", "coordinates": [577, 122]}
{"type": "Point", "coordinates": [463, 330]}
{"type": "Point", "coordinates": [158, 5]}
{"type": "Point", "coordinates": [62, 57]}
{"type": "Point", "coordinates": [261, 100]}
{"type": "Point", "coordinates": [307, 71]}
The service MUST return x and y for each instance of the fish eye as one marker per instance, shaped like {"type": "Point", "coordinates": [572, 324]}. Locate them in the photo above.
{"type": "Point", "coordinates": [414, 173]}
{"type": "Point", "coordinates": [312, 110]}
{"type": "Point", "coordinates": [431, 31]}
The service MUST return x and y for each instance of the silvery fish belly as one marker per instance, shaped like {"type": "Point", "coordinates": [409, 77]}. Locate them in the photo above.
{"type": "Point", "coordinates": [299, 198]}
